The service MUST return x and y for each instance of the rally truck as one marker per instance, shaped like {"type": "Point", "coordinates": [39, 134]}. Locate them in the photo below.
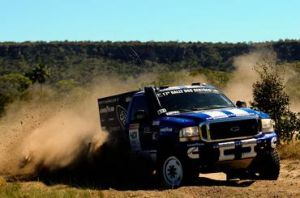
{"type": "Point", "coordinates": [187, 130]}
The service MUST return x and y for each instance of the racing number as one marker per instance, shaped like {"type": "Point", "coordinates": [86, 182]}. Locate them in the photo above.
{"type": "Point", "coordinates": [227, 146]}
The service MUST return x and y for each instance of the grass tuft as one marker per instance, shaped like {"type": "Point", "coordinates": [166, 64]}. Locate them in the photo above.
{"type": "Point", "coordinates": [290, 150]}
{"type": "Point", "coordinates": [2, 181]}
{"type": "Point", "coordinates": [31, 189]}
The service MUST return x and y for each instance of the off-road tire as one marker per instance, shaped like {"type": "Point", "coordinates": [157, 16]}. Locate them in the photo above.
{"type": "Point", "coordinates": [268, 166]}
{"type": "Point", "coordinates": [264, 167]}
{"type": "Point", "coordinates": [170, 171]}
{"type": "Point", "coordinates": [191, 174]}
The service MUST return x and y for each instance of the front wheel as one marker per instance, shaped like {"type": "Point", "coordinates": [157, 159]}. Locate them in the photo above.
{"type": "Point", "coordinates": [171, 171]}
{"type": "Point", "coordinates": [270, 166]}
{"type": "Point", "coordinates": [267, 166]}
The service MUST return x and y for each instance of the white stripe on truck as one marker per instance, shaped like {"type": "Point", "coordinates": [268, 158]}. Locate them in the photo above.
{"type": "Point", "coordinates": [238, 112]}
{"type": "Point", "coordinates": [215, 114]}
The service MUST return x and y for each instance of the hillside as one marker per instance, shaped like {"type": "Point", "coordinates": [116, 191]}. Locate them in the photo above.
{"type": "Point", "coordinates": [82, 60]}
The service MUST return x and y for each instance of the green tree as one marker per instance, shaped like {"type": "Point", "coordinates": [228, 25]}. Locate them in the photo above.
{"type": "Point", "coordinates": [65, 86]}
{"type": "Point", "coordinates": [12, 87]}
{"type": "Point", "coordinates": [269, 96]}
{"type": "Point", "coordinates": [39, 73]}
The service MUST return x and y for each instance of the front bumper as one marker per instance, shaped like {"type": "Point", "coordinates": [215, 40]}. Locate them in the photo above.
{"type": "Point", "coordinates": [231, 153]}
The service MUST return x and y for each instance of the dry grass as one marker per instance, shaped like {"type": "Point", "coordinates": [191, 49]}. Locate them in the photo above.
{"type": "Point", "coordinates": [37, 189]}
{"type": "Point", "coordinates": [290, 151]}
{"type": "Point", "coordinates": [2, 182]}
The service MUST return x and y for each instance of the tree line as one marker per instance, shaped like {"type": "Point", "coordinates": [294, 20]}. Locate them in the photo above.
{"type": "Point", "coordinates": [90, 58]}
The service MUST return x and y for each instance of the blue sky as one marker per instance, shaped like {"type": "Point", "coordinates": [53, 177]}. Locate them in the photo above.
{"type": "Point", "coordinates": [144, 20]}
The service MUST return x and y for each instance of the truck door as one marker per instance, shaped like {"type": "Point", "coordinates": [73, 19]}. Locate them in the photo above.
{"type": "Point", "coordinates": [141, 132]}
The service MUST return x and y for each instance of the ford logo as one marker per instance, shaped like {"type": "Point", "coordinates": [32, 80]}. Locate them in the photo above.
{"type": "Point", "coordinates": [235, 129]}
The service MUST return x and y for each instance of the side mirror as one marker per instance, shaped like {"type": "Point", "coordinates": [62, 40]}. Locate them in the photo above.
{"type": "Point", "coordinates": [241, 104]}
{"type": "Point", "coordinates": [140, 115]}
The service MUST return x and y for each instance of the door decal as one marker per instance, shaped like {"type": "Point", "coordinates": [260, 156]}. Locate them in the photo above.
{"type": "Point", "coordinates": [134, 137]}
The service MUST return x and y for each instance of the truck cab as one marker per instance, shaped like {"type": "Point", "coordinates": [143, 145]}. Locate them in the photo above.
{"type": "Point", "coordinates": [187, 130]}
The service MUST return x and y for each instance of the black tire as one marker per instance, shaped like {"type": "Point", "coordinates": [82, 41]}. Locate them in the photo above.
{"type": "Point", "coordinates": [191, 174]}
{"type": "Point", "coordinates": [268, 166]}
{"type": "Point", "coordinates": [170, 171]}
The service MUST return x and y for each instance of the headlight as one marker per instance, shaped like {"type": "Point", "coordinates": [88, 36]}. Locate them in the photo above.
{"type": "Point", "coordinates": [189, 134]}
{"type": "Point", "coordinates": [267, 125]}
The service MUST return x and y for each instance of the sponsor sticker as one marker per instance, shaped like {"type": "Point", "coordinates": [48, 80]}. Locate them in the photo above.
{"type": "Point", "coordinates": [195, 144]}
{"type": "Point", "coordinates": [134, 137]}
{"type": "Point", "coordinates": [193, 153]}
{"type": "Point", "coordinates": [161, 111]}
{"type": "Point", "coordinates": [185, 90]}
{"type": "Point", "coordinates": [107, 109]}
{"type": "Point", "coordinates": [173, 112]}
{"type": "Point", "coordinates": [166, 129]}
{"type": "Point", "coordinates": [155, 123]}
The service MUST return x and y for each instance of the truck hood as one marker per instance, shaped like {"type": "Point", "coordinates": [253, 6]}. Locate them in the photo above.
{"type": "Point", "coordinates": [196, 117]}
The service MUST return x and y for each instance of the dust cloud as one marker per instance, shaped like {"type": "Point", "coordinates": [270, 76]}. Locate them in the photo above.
{"type": "Point", "coordinates": [291, 77]}
{"type": "Point", "coordinates": [49, 135]}
{"type": "Point", "coordinates": [240, 84]}
{"type": "Point", "coordinates": [61, 141]}
{"type": "Point", "coordinates": [295, 105]}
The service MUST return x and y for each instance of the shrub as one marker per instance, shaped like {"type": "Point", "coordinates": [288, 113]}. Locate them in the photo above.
{"type": "Point", "coordinates": [12, 87]}
{"type": "Point", "coordinates": [269, 96]}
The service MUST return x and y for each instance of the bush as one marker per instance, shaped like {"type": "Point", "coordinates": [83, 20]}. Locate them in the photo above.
{"type": "Point", "coordinates": [290, 151]}
{"type": "Point", "coordinates": [12, 87]}
{"type": "Point", "coordinates": [269, 96]}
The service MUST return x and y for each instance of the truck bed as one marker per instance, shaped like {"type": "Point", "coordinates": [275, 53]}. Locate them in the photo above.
{"type": "Point", "coordinates": [113, 111]}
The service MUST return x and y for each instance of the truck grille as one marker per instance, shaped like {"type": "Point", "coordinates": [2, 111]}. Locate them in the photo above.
{"type": "Point", "coordinates": [222, 130]}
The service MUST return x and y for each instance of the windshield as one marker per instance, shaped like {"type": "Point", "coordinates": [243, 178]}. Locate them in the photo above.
{"type": "Point", "coordinates": [181, 100]}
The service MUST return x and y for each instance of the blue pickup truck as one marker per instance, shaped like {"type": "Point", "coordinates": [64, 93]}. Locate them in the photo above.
{"type": "Point", "coordinates": [187, 130]}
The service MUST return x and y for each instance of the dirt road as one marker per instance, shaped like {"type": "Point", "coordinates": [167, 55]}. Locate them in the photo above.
{"type": "Point", "coordinates": [288, 185]}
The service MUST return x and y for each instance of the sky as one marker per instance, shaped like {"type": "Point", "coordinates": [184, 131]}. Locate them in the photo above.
{"type": "Point", "coordinates": [149, 20]}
